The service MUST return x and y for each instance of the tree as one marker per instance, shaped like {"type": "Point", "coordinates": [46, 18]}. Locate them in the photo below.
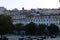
{"type": "Point", "coordinates": [41, 29]}
{"type": "Point", "coordinates": [6, 25]}
{"type": "Point", "coordinates": [19, 27]}
{"type": "Point", "coordinates": [30, 28]}
{"type": "Point", "coordinates": [53, 29]}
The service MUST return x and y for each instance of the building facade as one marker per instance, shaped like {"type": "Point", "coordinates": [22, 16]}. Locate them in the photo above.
{"type": "Point", "coordinates": [38, 16]}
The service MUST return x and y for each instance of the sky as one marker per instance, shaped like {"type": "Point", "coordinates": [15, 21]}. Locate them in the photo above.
{"type": "Point", "coordinates": [28, 4]}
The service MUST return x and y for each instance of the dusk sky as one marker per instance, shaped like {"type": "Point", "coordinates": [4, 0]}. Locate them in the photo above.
{"type": "Point", "coordinates": [28, 4]}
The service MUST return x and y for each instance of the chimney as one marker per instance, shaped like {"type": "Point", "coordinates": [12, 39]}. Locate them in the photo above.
{"type": "Point", "coordinates": [22, 8]}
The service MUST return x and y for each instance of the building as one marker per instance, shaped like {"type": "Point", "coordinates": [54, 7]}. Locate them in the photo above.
{"type": "Point", "coordinates": [2, 10]}
{"type": "Point", "coordinates": [38, 16]}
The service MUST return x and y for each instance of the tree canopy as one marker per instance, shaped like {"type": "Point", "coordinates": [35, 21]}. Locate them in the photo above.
{"type": "Point", "coordinates": [42, 29]}
{"type": "Point", "coordinates": [53, 29]}
{"type": "Point", "coordinates": [5, 24]}
{"type": "Point", "coordinates": [31, 28]}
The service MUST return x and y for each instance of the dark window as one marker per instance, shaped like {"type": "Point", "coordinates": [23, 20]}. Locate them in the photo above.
{"type": "Point", "coordinates": [20, 38]}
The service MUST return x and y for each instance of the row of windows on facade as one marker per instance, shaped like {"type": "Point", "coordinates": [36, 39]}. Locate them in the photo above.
{"type": "Point", "coordinates": [38, 17]}
{"type": "Point", "coordinates": [36, 20]}
{"type": "Point", "coordinates": [39, 23]}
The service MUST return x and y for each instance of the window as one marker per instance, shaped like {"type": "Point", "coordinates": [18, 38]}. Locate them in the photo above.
{"type": "Point", "coordinates": [49, 16]}
{"type": "Point", "coordinates": [44, 19]}
{"type": "Point", "coordinates": [47, 19]}
{"type": "Point", "coordinates": [59, 23]}
{"type": "Point", "coordinates": [59, 19]}
{"type": "Point", "coordinates": [36, 20]}
{"type": "Point", "coordinates": [39, 20]}
{"type": "Point", "coordinates": [54, 19]}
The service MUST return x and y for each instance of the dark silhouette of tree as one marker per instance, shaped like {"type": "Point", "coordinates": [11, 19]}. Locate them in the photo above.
{"type": "Point", "coordinates": [6, 25]}
{"type": "Point", "coordinates": [41, 29]}
{"type": "Point", "coordinates": [19, 27]}
{"type": "Point", "coordinates": [30, 28]}
{"type": "Point", "coordinates": [53, 29]}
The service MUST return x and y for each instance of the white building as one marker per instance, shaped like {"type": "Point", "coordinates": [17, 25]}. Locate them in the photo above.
{"type": "Point", "coordinates": [38, 16]}
{"type": "Point", "coordinates": [39, 19]}
{"type": "Point", "coordinates": [24, 17]}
